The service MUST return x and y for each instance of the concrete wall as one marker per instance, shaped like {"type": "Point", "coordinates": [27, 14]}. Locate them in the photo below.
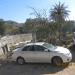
{"type": "Point", "coordinates": [13, 39]}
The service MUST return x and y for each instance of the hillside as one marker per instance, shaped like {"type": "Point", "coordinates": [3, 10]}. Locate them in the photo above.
{"type": "Point", "coordinates": [13, 23]}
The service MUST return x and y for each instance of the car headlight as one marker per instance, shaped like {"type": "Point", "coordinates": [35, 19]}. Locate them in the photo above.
{"type": "Point", "coordinates": [69, 55]}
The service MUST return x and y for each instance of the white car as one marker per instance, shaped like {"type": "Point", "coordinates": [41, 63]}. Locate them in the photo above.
{"type": "Point", "coordinates": [41, 52]}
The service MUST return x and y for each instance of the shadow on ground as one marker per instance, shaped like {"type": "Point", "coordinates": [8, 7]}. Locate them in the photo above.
{"type": "Point", "coordinates": [29, 69]}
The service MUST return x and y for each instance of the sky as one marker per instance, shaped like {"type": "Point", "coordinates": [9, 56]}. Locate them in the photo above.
{"type": "Point", "coordinates": [19, 10]}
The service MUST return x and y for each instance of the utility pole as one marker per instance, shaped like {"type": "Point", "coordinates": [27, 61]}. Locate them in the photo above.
{"type": "Point", "coordinates": [34, 34]}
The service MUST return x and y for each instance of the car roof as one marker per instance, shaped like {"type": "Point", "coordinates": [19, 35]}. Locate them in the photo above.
{"type": "Point", "coordinates": [37, 43]}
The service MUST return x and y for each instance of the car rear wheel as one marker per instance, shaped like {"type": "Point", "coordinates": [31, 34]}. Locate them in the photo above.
{"type": "Point", "coordinates": [20, 60]}
{"type": "Point", "coordinates": [57, 61]}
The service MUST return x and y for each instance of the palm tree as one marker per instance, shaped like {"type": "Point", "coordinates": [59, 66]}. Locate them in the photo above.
{"type": "Point", "coordinates": [58, 14]}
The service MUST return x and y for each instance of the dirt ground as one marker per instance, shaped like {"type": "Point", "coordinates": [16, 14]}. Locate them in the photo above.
{"type": "Point", "coordinates": [11, 68]}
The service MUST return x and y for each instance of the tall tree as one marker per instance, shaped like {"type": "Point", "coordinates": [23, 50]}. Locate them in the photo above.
{"type": "Point", "coordinates": [58, 14]}
{"type": "Point", "coordinates": [41, 19]}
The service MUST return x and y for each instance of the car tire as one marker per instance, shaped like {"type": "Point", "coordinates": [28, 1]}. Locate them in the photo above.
{"type": "Point", "coordinates": [57, 61]}
{"type": "Point", "coordinates": [20, 60]}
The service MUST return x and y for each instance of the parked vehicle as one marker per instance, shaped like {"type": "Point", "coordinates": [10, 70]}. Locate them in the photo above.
{"type": "Point", "coordinates": [41, 52]}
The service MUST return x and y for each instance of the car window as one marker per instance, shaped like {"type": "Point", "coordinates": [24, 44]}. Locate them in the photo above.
{"type": "Point", "coordinates": [39, 48]}
{"type": "Point", "coordinates": [28, 48]}
{"type": "Point", "coordinates": [49, 46]}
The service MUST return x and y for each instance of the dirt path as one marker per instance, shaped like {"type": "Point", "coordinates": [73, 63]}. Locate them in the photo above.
{"type": "Point", "coordinates": [36, 69]}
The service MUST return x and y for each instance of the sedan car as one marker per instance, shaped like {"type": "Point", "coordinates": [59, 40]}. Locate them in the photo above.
{"type": "Point", "coordinates": [41, 52]}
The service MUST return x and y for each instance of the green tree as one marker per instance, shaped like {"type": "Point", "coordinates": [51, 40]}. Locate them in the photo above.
{"type": "Point", "coordinates": [36, 27]}
{"type": "Point", "coordinates": [68, 27]}
{"type": "Point", "coordinates": [39, 23]}
{"type": "Point", "coordinates": [58, 14]}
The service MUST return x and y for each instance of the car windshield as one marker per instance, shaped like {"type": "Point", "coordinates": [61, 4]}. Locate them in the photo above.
{"type": "Point", "coordinates": [47, 45]}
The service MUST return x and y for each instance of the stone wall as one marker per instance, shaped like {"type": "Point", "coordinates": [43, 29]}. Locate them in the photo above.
{"type": "Point", "coordinates": [12, 40]}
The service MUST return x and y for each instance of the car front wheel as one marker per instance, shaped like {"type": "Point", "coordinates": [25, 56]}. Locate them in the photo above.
{"type": "Point", "coordinates": [57, 61]}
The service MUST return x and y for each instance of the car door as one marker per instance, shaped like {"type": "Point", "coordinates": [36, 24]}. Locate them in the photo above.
{"type": "Point", "coordinates": [40, 54]}
{"type": "Point", "coordinates": [28, 53]}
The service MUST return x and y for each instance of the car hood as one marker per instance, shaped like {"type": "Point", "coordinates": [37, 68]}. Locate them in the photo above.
{"type": "Point", "coordinates": [61, 50]}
